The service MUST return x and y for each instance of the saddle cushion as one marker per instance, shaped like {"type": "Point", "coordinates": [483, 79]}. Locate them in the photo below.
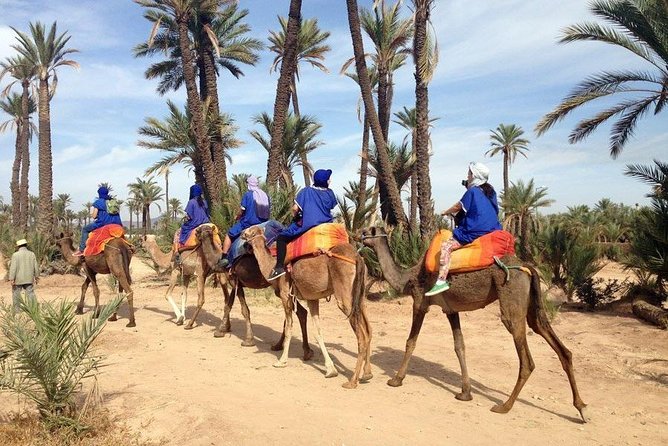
{"type": "Point", "coordinates": [99, 238]}
{"type": "Point", "coordinates": [240, 246]}
{"type": "Point", "coordinates": [319, 238]}
{"type": "Point", "coordinates": [476, 255]}
{"type": "Point", "coordinates": [192, 241]}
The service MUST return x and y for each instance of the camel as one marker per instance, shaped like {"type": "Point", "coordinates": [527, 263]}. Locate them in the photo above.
{"type": "Point", "coordinates": [245, 273]}
{"type": "Point", "coordinates": [115, 260]}
{"type": "Point", "coordinates": [519, 298]}
{"type": "Point", "coordinates": [341, 271]}
{"type": "Point", "coordinates": [163, 260]}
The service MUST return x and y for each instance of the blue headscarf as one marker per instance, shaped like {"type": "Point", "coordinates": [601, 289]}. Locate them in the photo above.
{"type": "Point", "coordinates": [103, 193]}
{"type": "Point", "coordinates": [321, 177]}
{"type": "Point", "coordinates": [195, 191]}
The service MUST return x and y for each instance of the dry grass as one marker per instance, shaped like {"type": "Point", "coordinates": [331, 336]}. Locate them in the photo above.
{"type": "Point", "coordinates": [23, 429]}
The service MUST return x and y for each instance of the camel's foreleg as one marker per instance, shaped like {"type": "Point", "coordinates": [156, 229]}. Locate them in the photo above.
{"type": "Point", "coordinates": [287, 327]}
{"type": "Point", "coordinates": [460, 350]}
{"type": "Point", "coordinates": [416, 326]}
{"type": "Point", "coordinates": [96, 294]}
{"type": "Point", "coordinates": [314, 310]}
{"type": "Point", "coordinates": [173, 279]}
{"type": "Point", "coordinates": [201, 286]}
{"type": "Point", "coordinates": [84, 288]}
{"type": "Point", "coordinates": [225, 325]}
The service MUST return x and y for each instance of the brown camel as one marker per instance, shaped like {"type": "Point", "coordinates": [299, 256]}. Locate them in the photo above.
{"type": "Point", "coordinates": [245, 273]}
{"type": "Point", "coordinates": [341, 272]}
{"type": "Point", "coordinates": [519, 298]}
{"type": "Point", "coordinates": [115, 260]}
{"type": "Point", "coordinates": [163, 260]}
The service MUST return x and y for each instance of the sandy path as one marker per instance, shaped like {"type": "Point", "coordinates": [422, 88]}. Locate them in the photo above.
{"type": "Point", "coordinates": [187, 386]}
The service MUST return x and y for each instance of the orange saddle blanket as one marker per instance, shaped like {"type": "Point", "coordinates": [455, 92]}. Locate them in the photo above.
{"type": "Point", "coordinates": [474, 256]}
{"type": "Point", "coordinates": [192, 240]}
{"type": "Point", "coordinates": [320, 238]}
{"type": "Point", "coordinates": [99, 238]}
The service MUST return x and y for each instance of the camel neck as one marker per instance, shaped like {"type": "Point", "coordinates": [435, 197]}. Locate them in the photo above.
{"type": "Point", "coordinates": [264, 258]}
{"type": "Point", "coordinates": [66, 250]}
{"type": "Point", "coordinates": [396, 277]}
{"type": "Point", "coordinates": [210, 251]}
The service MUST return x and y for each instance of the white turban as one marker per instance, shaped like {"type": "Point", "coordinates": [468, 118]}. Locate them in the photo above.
{"type": "Point", "coordinates": [480, 174]}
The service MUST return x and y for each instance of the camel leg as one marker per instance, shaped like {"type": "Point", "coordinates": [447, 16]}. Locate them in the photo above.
{"type": "Point", "coordinates": [367, 362]}
{"type": "Point", "coordinates": [301, 316]}
{"type": "Point", "coordinates": [249, 341]}
{"type": "Point", "coordinates": [543, 328]}
{"type": "Point", "coordinates": [287, 330]}
{"type": "Point", "coordinates": [173, 279]}
{"type": "Point", "coordinates": [96, 294]}
{"type": "Point", "coordinates": [225, 325]}
{"type": "Point", "coordinates": [201, 284]}
{"type": "Point", "coordinates": [84, 288]}
{"type": "Point", "coordinates": [129, 295]}
{"type": "Point", "coordinates": [363, 345]}
{"type": "Point", "coordinates": [184, 299]}
{"type": "Point", "coordinates": [460, 350]}
{"type": "Point", "coordinates": [517, 327]}
{"type": "Point", "coordinates": [416, 326]}
{"type": "Point", "coordinates": [314, 309]}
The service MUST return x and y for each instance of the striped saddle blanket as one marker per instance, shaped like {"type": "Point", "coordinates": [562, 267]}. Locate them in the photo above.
{"type": "Point", "coordinates": [476, 255]}
{"type": "Point", "coordinates": [192, 241]}
{"type": "Point", "coordinates": [319, 238]}
{"type": "Point", "coordinates": [99, 238]}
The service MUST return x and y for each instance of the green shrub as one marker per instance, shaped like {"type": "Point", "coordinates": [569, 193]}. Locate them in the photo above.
{"type": "Point", "coordinates": [595, 292]}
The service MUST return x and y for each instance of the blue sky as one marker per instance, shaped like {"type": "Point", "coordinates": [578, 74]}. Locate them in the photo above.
{"type": "Point", "coordinates": [499, 63]}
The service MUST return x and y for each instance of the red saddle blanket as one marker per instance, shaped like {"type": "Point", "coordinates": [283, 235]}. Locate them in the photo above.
{"type": "Point", "coordinates": [99, 238]}
{"type": "Point", "coordinates": [320, 238]}
{"type": "Point", "coordinates": [476, 255]}
{"type": "Point", "coordinates": [192, 240]}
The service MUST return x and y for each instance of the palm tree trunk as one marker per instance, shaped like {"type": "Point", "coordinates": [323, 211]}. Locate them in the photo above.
{"type": "Point", "coordinates": [45, 204]}
{"type": "Point", "coordinates": [167, 193]}
{"type": "Point", "coordinates": [414, 190]}
{"type": "Point", "coordinates": [282, 101]}
{"type": "Point", "coordinates": [130, 220]}
{"type": "Point", "coordinates": [384, 118]}
{"type": "Point", "coordinates": [24, 197]}
{"type": "Point", "coordinates": [505, 171]}
{"type": "Point", "coordinates": [385, 171]}
{"type": "Point", "coordinates": [422, 12]}
{"type": "Point", "coordinates": [195, 106]}
{"type": "Point", "coordinates": [302, 156]}
{"type": "Point", "coordinates": [148, 217]}
{"type": "Point", "coordinates": [364, 173]}
{"type": "Point", "coordinates": [14, 185]}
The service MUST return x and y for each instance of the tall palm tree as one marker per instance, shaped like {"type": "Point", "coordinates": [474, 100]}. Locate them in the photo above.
{"type": "Point", "coordinates": [520, 205]}
{"type": "Point", "coordinates": [45, 51]}
{"type": "Point", "coordinates": [507, 139]}
{"type": "Point", "coordinates": [13, 106]}
{"type": "Point", "coordinates": [181, 12]}
{"type": "Point", "coordinates": [396, 214]}
{"type": "Point", "coordinates": [175, 207]}
{"type": "Point", "coordinates": [282, 101]}
{"type": "Point", "coordinates": [311, 49]}
{"type": "Point", "coordinates": [641, 27]}
{"type": "Point", "coordinates": [23, 73]}
{"type": "Point", "coordinates": [164, 171]}
{"type": "Point", "coordinates": [146, 192]}
{"type": "Point", "coordinates": [60, 207]}
{"type": "Point", "coordinates": [425, 58]}
{"type": "Point", "coordinates": [298, 141]}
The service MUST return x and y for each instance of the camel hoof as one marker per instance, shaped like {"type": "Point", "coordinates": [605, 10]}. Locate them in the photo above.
{"type": "Point", "coordinates": [277, 347]}
{"type": "Point", "coordinates": [464, 396]}
{"type": "Point", "coordinates": [112, 318]}
{"type": "Point", "coordinates": [395, 382]}
{"type": "Point", "coordinates": [226, 328]}
{"type": "Point", "coordinates": [218, 334]}
{"type": "Point", "coordinates": [366, 377]}
{"type": "Point", "coordinates": [246, 343]}
{"type": "Point", "coordinates": [188, 327]}
{"type": "Point", "coordinates": [180, 321]}
{"type": "Point", "coordinates": [331, 373]}
{"type": "Point", "coordinates": [349, 385]}
{"type": "Point", "coordinates": [584, 414]}
{"type": "Point", "coordinates": [308, 355]}
{"type": "Point", "coordinates": [78, 310]}
{"type": "Point", "coordinates": [131, 324]}
{"type": "Point", "coordinates": [280, 364]}
{"type": "Point", "coordinates": [500, 408]}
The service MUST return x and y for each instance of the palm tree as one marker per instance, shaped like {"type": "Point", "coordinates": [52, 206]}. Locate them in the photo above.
{"type": "Point", "coordinates": [282, 101]}
{"type": "Point", "coordinates": [13, 106]}
{"type": "Point", "coordinates": [181, 12]}
{"type": "Point", "coordinates": [520, 205]}
{"type": "Point", "coordinates": [164, 171]}
{"type": "Point", "coordinates": [60, 208]}
{"type": "Point", "coordinates": [310, 48]}
{"type": "Point", "coordinates": [45, 52]}
{"type": "Point", "coordinates": [507, 139]}
{"type": "Point", "coordinates": [641, 27]}
{"type": "Point", "coordinates": [298, 140]}
{"type": "Point", "coordinates": [23, 73]}
{"type": "Point", "coordinates": [146, 192]}
{"type": "Point", "coordinates": [176, 208]}
{"type": "Point", "coordinates": [425, 57]}
{"type": "Point", "coordinates": [396, 212]}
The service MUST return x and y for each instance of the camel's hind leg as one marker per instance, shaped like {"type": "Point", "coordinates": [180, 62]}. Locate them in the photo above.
{"type": "Point", "coordinates": [201, 285]}
{"type": "Point", "coordinates": [362, 332]}
{"type": "Point", "coordinates": [416, 326]}
{"type": "Point", "coordinates": [249, 341]}
{"type": "Point", "coordinates": [301, 316]}
{"type": "Point", "coordinates": [96, 293]}
{"type": "Point", "coordinates": [367, 362]}
{"type": "Point", "coordinates": [515, 323]}
{"type": "Point", "coordinates": [460, 350]}
{"type": "Point", "coordinates": [84, 288]}
{"type": "Point", "coordinates": [173, 280]}
{"type": "Point", "coordinates": [225, 326]}
{"type": "Point", "coordinates": [314, 310]}
{"type": "Point", "coordinates": [287, 326]}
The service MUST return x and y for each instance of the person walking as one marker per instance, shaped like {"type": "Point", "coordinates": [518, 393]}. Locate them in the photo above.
{"type": "Point", "coordinates": [23, 273]}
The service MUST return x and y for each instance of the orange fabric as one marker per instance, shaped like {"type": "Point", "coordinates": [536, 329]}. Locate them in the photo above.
{"type": "Point", "coordinates": [192, 240]}
{"type": "Point", "coordinates": [100, 237]}
{"type": "Point", "coordinates": [477, 255]}
{"type": "Point", "coordinates": [321, 238]}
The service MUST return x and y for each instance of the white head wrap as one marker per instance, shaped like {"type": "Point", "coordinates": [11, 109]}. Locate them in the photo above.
{"type": "Point", "coordinates": [480, 173]}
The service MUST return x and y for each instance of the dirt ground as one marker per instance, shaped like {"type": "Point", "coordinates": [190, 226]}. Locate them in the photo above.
{"type": "Point", "coordinates": [188, 387]}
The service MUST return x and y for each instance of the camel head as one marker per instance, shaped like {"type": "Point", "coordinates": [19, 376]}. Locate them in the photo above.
{"type": "Point", "coordinates": [64, 240]}
{"type": "Point", "coordinates": [204, 232]}
{"type": "Point", "coordinates": [370, 236]}
{"type": "Point", "coordinates": [252, 232]}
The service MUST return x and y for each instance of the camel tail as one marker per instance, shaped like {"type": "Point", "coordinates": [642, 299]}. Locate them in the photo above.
{"type": "Point", "coordinates": [358, 290]}
{"type": "Point", "coordinates": [537, 315]}
{"type": "Point", "coordinates": [125, 254]}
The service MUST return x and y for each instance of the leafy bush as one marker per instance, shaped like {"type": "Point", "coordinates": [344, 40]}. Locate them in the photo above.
{"type": "Point", "coordinates": [596, 292]}
{"type": "Point", "coordinates": [47, 356]}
